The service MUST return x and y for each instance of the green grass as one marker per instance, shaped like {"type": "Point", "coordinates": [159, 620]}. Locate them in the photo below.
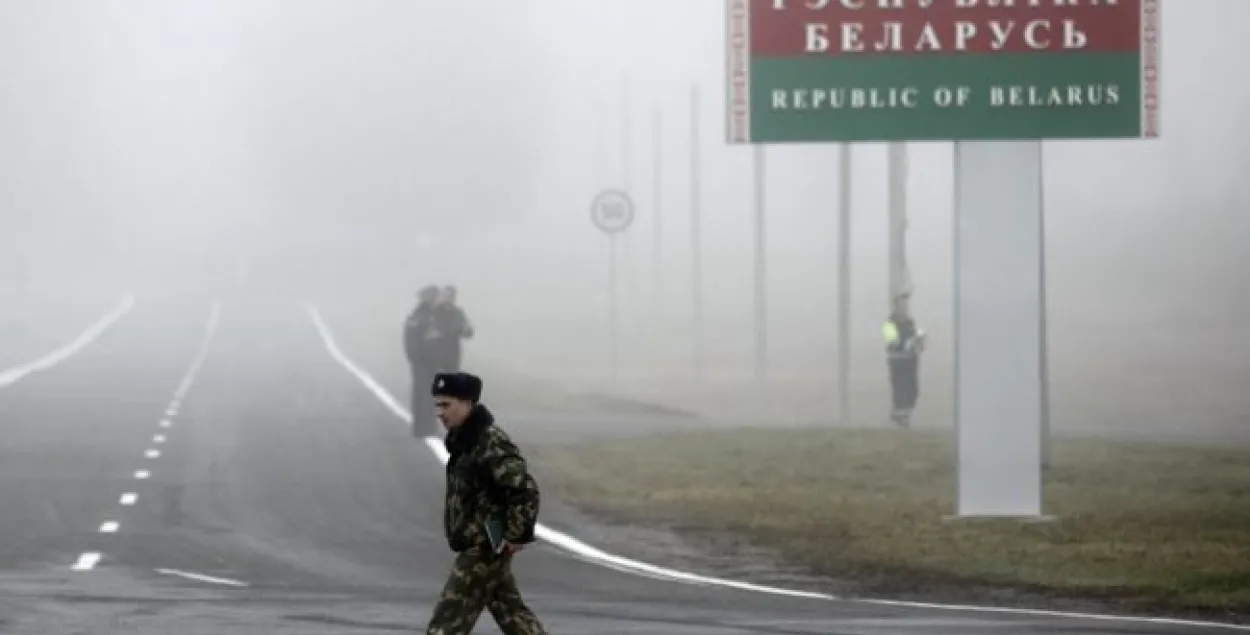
{"type": "Point", "coordinates": [1150, 527]}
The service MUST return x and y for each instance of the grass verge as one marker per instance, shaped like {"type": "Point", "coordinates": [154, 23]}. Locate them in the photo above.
{"type": "Point", "coordinates": [1146, 527]}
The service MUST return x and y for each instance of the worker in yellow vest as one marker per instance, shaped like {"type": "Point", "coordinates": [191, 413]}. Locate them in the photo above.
{"type": "Point", "coordinates": [903, 343]}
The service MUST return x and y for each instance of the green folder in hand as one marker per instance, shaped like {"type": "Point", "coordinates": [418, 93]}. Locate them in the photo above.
{"type": "Point", "coordinates": [494, 532]}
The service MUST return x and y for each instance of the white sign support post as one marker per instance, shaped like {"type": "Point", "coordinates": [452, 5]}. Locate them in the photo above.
{"type": "Point", "coordinates": [999, 357]}
{"type": "Point", "coordinates": [612, 212]}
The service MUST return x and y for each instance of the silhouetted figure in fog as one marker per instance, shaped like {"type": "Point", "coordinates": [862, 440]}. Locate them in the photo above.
{"type": "Point", "coordinates": [903, 343]}
{"type": "Point", "coordinates": [423, 348]}
{"type": "Point", "coordinates": [454, 326]}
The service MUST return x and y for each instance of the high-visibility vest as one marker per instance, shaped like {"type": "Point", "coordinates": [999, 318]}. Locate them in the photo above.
{"type": "Point", "coordinates": [900, 342]}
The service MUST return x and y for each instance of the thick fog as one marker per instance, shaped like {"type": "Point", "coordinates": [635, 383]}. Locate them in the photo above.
{"type": "Point", "coordinates": [348, 153]}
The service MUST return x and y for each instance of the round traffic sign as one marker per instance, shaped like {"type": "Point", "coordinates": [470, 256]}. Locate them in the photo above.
{"type": "Point", "coordinates": [612, 211]}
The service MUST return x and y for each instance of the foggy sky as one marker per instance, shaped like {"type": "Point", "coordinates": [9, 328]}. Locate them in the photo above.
{"type": "Point", "coordinates": [361, 149]}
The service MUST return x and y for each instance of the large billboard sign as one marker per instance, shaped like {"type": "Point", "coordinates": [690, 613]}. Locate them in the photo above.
{"type": "Point", "coordinates": [914, 70]}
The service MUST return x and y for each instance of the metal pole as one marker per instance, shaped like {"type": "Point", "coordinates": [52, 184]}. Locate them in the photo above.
{"type": "Point", "coordinates": [20, 275]}
{"type": "Point", "coordinates": [602, 156]}
{"type": "Point", "coordinates": [657, 204]}
{"type": "Point", "coordinates": [626, 244]}
{"type": "Point", "coordinates": [1045, 345]}
{"type": "Point", "coordinates": [696, 230]}
{"type": "Point", "coordinates": [900, 275]}
{"type": "Point", "coordinates": [613, 306]}
{"type": "Point", "coordinates": [844, 283]}
{"type": "Point", "coordinates": [626, 133]}
{"type": "Point", "coordinates": [761, 274]}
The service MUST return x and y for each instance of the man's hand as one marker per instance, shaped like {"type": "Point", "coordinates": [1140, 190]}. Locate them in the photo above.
{"type": "Point", "coordinates": [508, 548]}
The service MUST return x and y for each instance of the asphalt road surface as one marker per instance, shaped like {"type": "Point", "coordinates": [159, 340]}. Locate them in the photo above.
{"type": "Point", "coordinates": [219, 470]}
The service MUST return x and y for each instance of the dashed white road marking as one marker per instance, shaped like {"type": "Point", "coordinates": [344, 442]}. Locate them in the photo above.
{"type": "Point", "coordinates": [585, 551]}
{"type": "Point", "coordinates": [93, 332]}
{"type": "Point", "coordinates": [86, 561]}
{"type": "Point", "coordinates": [199, 577]}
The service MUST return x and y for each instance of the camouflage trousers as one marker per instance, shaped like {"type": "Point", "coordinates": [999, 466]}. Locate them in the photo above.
{"type": "Point", "coordinates": [482, 580]}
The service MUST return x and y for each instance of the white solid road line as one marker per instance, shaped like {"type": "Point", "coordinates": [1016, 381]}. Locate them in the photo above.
{"type": "Point", "coordinates": [86, 561]}
{"type": "Point", "coordinates": [1064, 614]}
{"type": "Point", "coordinates": [203, 578]}
{"type": "Point", "coordinates": [598, 556]}
{"type": "Point", "coordinates": [93, 332]}
{"type": "Point", "coordinates": [559, 539]}
{"type": "Point", "coordinates": [579, 548]}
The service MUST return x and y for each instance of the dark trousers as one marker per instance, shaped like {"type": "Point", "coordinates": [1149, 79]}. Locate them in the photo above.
{"type": "Point", "coordinates": [904, 381]}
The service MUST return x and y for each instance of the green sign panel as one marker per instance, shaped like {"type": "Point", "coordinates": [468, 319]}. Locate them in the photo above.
{"type": "Point", "coordinates": [914, 70]}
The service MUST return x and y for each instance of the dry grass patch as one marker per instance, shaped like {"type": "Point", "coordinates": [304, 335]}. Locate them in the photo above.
{"type": "Point", "coordinates": [1151, 526]}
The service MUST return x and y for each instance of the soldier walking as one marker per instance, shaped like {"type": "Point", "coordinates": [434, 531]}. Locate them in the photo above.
{"type": "Point", "coordinates": [490, 511]}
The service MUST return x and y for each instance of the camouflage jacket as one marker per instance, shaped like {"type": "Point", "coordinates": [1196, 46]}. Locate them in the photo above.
{"type": "Point", "coordinates": [486, 479]}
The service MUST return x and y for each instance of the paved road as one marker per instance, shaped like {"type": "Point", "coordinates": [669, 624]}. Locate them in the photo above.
{"type": "Point", "coordinates": [186, 475]}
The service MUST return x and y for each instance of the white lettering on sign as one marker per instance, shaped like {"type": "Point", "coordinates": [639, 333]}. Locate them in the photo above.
{"type": "Point", "coordinates": [1072, 37]}
{"type": "Point", "coordinates": [817, 38]}
{"type": "Point", "coordinates": [929, 40]}
{"type": "Point", "coordinates": [1054, 96]}
{"type": "Point", "coordinates": [964, 32]}
{"type": "Point", "coordinates": [851, 37]}
{"type": "Point", "coordinates": [909, 97]}
{"type": "Point", "coordinates": [846, 98]}
{"type": "Point", "coordinates": [1012, 28]}
{"type": "Point", "coordinates": [1000, 33]}
{"type": "Point", "coordinates": [947, 97]}
{"type": "Point", "coordinates": [1035, 40]}
{"type": "Point", "coordinates": [958, 36]}
{"type": "Point", "coordinates": [891, 37]}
